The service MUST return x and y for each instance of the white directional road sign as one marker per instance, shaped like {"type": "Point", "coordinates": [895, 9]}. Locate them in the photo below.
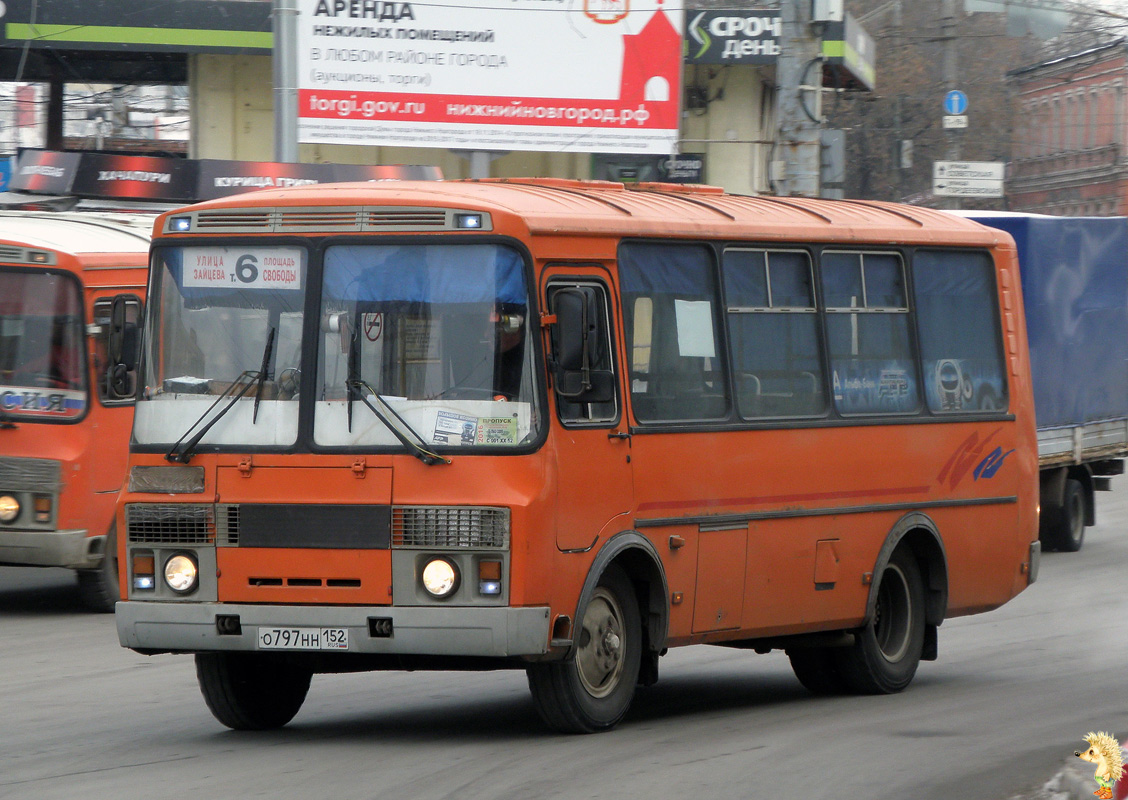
{"type": "Point", "coordinates": [971, 170]}
{"type": "Point", "coordinates": [962, 187]}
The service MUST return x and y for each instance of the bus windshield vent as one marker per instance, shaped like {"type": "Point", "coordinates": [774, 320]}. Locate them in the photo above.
{"type": "Point", "coordinates": [170, 523]}
{"type": "Point", "coordinates": [450, 526]}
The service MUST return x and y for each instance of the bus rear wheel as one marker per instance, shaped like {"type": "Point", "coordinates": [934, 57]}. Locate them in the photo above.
{"type": "Point", "coordinates": [592, 691]}
{"type": "Point", "coordinates": [886, 652]}
{"type": "Point", "coordinates": [251, 691]}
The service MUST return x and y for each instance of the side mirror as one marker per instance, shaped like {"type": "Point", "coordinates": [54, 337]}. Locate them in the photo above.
{"type": "Point", "coordinates": [122, 346]}
{"type": "Point", "coordinates": [578, 338]}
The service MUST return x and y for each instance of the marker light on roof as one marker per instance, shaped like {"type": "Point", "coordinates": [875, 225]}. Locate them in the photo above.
{"type": "Point", "coordinates": [469, 221]}
{"type": "Point", "coordinates": [180, 224]}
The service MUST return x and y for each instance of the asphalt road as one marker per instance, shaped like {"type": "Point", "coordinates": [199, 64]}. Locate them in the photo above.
{"type": "Point", "coordinates": [1003, 709]}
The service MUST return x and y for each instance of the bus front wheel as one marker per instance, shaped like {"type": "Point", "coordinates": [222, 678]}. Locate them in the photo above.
{"type": "Point", "coordinates": [592, 691]}
{"type": "Point", "coordinates": [98, 587]}
{"type": "Point", "coordinates": [251, 691]}
{"type": "Point", "coordinates": [886, 652]}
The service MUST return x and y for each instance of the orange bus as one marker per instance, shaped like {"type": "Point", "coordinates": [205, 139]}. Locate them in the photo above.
{"type": "Point", "coordinates": [71, 290]}
{"type": "Point", "coordinates": [563, 426]}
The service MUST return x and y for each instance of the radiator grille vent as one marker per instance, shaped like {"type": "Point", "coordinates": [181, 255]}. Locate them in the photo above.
{"type": "Point", "coordinates": [244, 221]}
{"type": "Point", "coordinates": [450, 526]}
{"type": "Point", "coordinates": [166, 523]}
{"type": "Point", "coordinates": [16, 254]}
{"type": "Point", "coordinates": [29, 475]}
{"type": "Point", "coordinates": [227, 525]}
{"type": "Point", "coordinates": [380, 218]}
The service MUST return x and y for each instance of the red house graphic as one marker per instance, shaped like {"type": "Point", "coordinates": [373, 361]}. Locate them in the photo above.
{"type": "Point", "coordinates": [652, 69]}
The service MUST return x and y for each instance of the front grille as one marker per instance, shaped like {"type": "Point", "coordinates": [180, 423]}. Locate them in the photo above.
{"type": "Point", "coordinates": [450, 526]}
{"type": "Point", "coordinates": [227, 525]}
{"type": "Point", "coordinates": [168, 523]}
{"type": "Point", "coordinates": [29, 475]}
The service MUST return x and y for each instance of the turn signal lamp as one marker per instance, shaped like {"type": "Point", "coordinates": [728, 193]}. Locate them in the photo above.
{"type": "Point", "coordinates": [489, 577]}
{"type": "Point", "coordinates": [42, 508]}
{"type": "Point", "coordinates": [144, 572]}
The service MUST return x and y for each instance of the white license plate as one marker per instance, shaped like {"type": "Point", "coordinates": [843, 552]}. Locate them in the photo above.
{"type": "Point", "coordinates": [303, 638]}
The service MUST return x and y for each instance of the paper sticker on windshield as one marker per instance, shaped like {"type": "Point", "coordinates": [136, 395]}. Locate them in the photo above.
{"type": "Point", "coordinates": [243, 268]}
{"type": "Point", "coordinates": [497, 430]}
{"type": "Point", "coordinates": [454, 429]}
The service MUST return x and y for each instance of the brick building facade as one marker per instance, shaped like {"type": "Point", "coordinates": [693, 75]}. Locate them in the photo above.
{"type": "Point", "coordinates": [1069, 155]}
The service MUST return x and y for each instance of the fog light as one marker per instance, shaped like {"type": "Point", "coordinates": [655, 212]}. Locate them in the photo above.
{"type": "Point", "coordinates": [440, 578]}
{"type": "Point", "coordinates": [144, 572]}
{"type": "Point", "coordinates": [181, 573]}
{"type": "Point", "coordinates": [9, 508]}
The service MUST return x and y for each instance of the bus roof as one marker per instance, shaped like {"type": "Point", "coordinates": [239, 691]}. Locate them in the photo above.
{"type": "Point", "coordinates": [560, 206]}
{"type": "Point", "coordinates": [76, 233]}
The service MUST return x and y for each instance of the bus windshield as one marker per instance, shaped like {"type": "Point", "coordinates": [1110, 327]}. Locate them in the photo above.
{"type": "Point", "coordinates": [41, 360]}
{"type": "Point", "coordinates": [434, 334]}
{"type": "Point", "coordinates": [438, 333]}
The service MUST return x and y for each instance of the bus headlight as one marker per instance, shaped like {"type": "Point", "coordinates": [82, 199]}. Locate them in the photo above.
{"type": "Point", "coordinates": [440, 578]}
{"type": "Point", "coordinates": [9, 508]}
{"type": "Point", "coordinates": [181, 573]}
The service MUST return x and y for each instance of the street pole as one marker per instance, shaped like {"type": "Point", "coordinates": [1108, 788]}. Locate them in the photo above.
{"type": "Point", "coordinates": [799, 75]}
{"type": "Point", "coordinates": [948, 73]}
{"type": "Point", "coordinates": [285, 57]}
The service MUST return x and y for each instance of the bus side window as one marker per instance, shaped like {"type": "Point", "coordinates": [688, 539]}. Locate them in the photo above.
{"type": "Point", "coordinates": [873, 368]}
{"type": "Point", "coordinates": [960, 335]}
{"type": "Point", "coordinates": [117, 383]}
{"type": "Point", "coordinates": [773, 327]}
{"type": "Point", "coordinates": [670, 308]}
{"type": "Point", "coordinates": [599, 353]}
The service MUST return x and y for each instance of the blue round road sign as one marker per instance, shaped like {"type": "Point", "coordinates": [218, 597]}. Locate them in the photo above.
{"type": "Point", "coordinates": [955, 102]}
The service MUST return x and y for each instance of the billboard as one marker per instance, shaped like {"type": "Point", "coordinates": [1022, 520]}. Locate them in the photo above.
{"type": "Point", "coordinates": [584, 76]}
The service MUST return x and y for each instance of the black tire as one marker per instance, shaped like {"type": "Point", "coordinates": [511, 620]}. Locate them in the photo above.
{"type": "Point", "coordinates": [592, 691]}
{"type": "Point", "coordinates": [1064, 528]}
{"type": "Point", "coordinates": [251, 691]}
{"type": "Point", "coordinates": [886, 652]}
{"type": "Point", "coordinates": [817, 669]}
{"type": "Point", "coordinates": [98, 588]}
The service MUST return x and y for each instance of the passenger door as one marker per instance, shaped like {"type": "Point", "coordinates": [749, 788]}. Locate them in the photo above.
{"type": "Point", "coordinates": [592, 446]}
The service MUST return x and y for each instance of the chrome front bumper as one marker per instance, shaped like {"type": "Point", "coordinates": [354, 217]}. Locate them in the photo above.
{"type": "Point", "coordinates": [440, 631]}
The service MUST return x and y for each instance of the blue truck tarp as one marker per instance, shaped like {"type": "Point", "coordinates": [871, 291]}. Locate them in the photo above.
{"type": "Point", "coordinates": [1074, 273]}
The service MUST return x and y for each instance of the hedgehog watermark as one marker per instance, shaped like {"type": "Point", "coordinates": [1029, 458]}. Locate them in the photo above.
{"type": "Point", "coordinates": [1104, 751]}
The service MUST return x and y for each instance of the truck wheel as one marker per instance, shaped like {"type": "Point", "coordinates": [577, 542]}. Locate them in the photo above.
{"type": "Point", "coordinates": [886, 652]}
{"type": "Point", "coordinates": [251, 691]}
{"type": "Point", "coordinates": [592, 691]}
{"type": "Point", "coordinates": [98, 587]}
{"type": "Point", "coordinates": [1067, 525]}
{"type": "Point", "coordinates": [817, 670]}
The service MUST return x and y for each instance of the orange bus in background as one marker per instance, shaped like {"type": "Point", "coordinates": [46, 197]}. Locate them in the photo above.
{"type": "Point", "coordinates": [71, 291]}
{"type": "Point", "coordinates": [563, 426]}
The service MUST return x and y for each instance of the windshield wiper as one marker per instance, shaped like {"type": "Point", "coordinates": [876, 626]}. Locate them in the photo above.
{"type": "Point", "coordinates": [252, 378]}
{"type": "Point", "coordinates": [262, 373]}
{"type": "Point", "coordinates": [416, 448]}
